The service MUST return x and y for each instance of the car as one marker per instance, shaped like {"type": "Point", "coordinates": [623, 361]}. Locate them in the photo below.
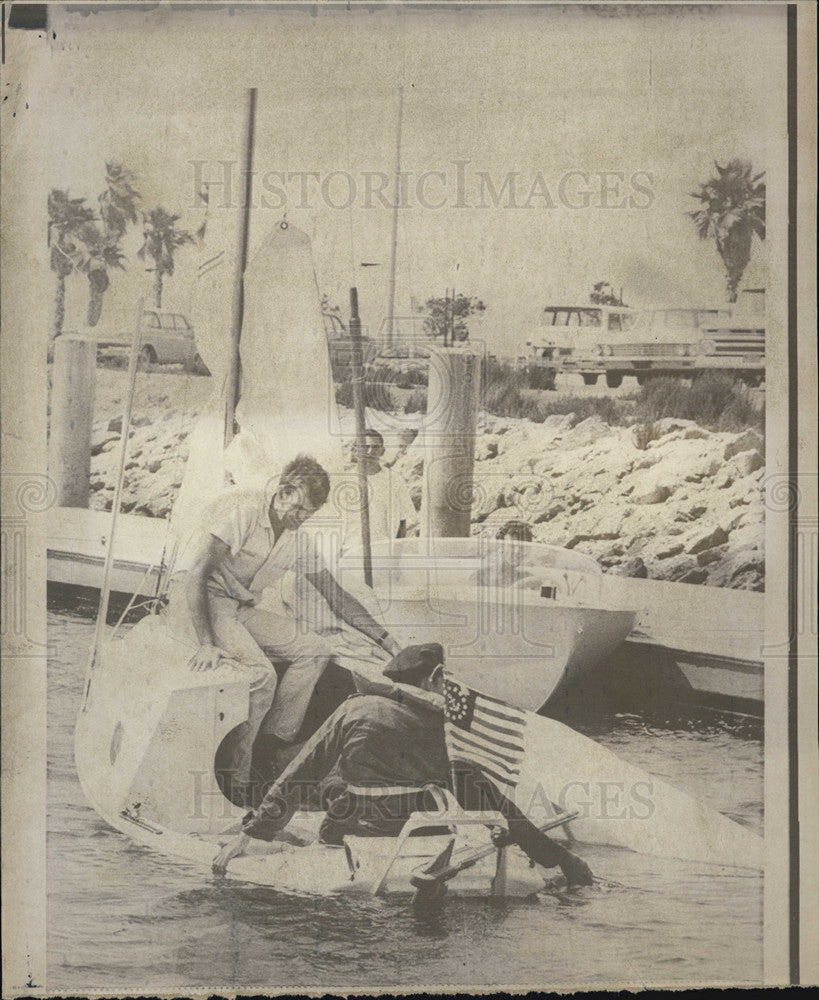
{"type": "Point", "coordinates": [167, 338]}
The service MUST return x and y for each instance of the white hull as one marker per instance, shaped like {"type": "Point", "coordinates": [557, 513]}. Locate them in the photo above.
{"type": "Point", "coordinates": [515, 618]}
{"type": "Point", "coordinates": [147, 738]}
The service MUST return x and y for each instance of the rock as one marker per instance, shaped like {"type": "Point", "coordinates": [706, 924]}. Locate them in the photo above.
{"type": "Point", "coordinates": [140, 421]}
{"type": "Point", "coordinates": [599, 536]}
{"type": "Point", "coordinates": [633, 566]}
{"type": "Point", "coordinates": [665, 425]}
{"type": "Point", "coordinates": [692, 514]}
{"type": "Point", "coordinates": [115, 424]}
{"type": "Point", "coordinates": [586, 432]}
{"type": "Point", "coordinates": [672, 550]}
{"type": "Point", "coordinates": [710, 555]}
{"type": "Point", "coordinates": [706, 538]}
{"type": "Point", "coordinates": [654, 494]}
{"type": "Point", "coordinates": [486, 448]}
{"type": "Point", "coordinates": [99, 442]}
{"type": "Point", "coordinates": [548, 511]}
{"type": "Point", "coordinates": [558, 422]}
{"type": "Point", "coordinates": [749, 440]}
{"type": "Point", "coordinates": [696, 575]}
{"type": "Point", "coordinates": [154, 467]}
{"type": "Point", "coordinates": [723, 480]}
{"type": "Point", "coordinates": [747, 462]}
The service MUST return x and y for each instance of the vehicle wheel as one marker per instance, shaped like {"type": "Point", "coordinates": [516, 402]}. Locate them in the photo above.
{"type": "Point", "coordinates": [614, 380]}
{"type": "Point", "coordinates": [147, 357]}
{"type": "Point", "coordinates": [590, 380]}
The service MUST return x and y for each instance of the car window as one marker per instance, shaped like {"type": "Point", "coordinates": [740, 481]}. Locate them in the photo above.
{"type": "Point", "coordinates": [152, 321]}
{"type": "Point", "coordinates": [182, 323]}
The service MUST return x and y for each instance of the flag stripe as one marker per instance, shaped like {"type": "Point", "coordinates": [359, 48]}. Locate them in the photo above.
{"type": "Point", "coordinates": [477, 730]}
{"type": "Point", "coordinates": [502, 760]}
{"type": "Point", "coordinates": [514, 719]}
{"type": "Point", "coordinates": [501, 704]}
{"type": "Point", "coordinates": [477, 741]}
{"type": "Point", "coordinates": [518, 733]}
{"type": "Point", "coordinates": [486, 769]}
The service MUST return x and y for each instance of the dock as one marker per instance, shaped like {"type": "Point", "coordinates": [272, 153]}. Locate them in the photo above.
{"type": "Point", "coordinates": [691, 644]}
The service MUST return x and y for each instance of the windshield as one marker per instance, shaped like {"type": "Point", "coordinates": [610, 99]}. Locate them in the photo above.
{"type": "Point", "coordinates": [570, 316]}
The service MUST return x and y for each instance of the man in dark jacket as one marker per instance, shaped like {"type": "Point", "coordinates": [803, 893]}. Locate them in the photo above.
{"type": "Point", "coordinates": [376, 759]}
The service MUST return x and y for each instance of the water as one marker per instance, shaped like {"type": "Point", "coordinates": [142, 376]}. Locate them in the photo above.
{"type": "Point", "coordinates": [121, 917]}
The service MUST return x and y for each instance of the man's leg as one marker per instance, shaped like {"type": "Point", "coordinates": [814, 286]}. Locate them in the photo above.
{"type": "Point", "coordinates": [308, 655]}
{"type": "Point", "coordinates": [237, 642]}
{"type": "Point", "coordinates": [475, 791]}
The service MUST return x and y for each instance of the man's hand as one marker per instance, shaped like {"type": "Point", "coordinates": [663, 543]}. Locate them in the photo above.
{"type": "Point", "coordinates": [389, 645]}
{"type": "Point", "coordinates": [229, 851]}
{"type": "Point", "coordinates": [206, 657]}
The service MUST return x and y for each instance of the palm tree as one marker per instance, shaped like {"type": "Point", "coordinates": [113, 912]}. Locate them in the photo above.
{"type": "Point", "coordinates": [162, 240]}
{"type": "Point", "coordinates": [67, 217]}
{"type": "Point", "coordinates": [733, 210]}
{"type": "Point", "coordinates": [102, 252]}
{"type": "Point", "coordinates": [117, 208]}
{"type": "Point", "coordinates": [118, 200]}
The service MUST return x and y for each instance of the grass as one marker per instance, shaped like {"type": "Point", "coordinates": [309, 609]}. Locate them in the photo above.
{"type": "Point", "coordinates": [715, 400]}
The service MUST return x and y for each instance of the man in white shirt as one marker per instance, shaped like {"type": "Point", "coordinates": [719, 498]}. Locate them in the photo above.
{"type": "Point", "coordinates": [391, 509]}
{"type": "Point", "coordinates": [249, 542]}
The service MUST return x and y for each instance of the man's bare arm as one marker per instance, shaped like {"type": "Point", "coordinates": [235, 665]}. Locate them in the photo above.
{"type": "Point", "coordinates": [208, 654]}
{"type": "Point", "coordinates": [351, 611]}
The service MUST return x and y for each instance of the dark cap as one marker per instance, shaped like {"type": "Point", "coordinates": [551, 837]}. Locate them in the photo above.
{"type": "Point", "coordinates": [414, 663]}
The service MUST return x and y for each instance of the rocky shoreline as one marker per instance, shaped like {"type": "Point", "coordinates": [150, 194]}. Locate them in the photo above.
{"type": "Point", "coordinates": [667, 501]}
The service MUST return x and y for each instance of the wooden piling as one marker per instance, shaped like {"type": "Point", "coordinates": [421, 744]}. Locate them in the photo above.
{"type": "Point", "coordinates": [74, 375]}
{"type": "Point", "coordinates": [449, 439]}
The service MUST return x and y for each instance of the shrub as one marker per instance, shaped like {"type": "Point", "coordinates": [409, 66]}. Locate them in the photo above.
{"type": "Point", "coordinates": [614, 412]}
{"type": "Point", "coordinates": [715, 400]}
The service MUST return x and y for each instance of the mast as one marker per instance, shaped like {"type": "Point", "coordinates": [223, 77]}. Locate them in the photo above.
{"type": "Point", "coordinates": [237, 311]}
{"type": "Point", "coordinates": [394, 246]}
{"type": "Point", "coordinates": [360, 436]}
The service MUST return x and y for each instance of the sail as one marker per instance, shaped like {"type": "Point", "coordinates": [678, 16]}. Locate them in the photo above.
{"type": "Point", "coordinates": [286, 399]}
{"type": "Point", "coordinates": [287, 402]}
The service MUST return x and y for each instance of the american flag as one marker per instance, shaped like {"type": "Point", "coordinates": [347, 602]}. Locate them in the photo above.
{"type": "Point", "coordinates": [484, 731]}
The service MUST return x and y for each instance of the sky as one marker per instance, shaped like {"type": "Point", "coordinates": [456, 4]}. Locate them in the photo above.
{"type": "Point", "coordinates": [602, 120]}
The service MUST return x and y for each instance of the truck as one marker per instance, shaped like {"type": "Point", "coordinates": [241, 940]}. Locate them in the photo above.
{"type": "Point", "coordinates": [566, 331]}
{"type": "Point", "coordinates": [680, 342]}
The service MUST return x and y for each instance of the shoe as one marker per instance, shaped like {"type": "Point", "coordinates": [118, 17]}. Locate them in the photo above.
{"type": "Point", "coordinates": [577, 872]}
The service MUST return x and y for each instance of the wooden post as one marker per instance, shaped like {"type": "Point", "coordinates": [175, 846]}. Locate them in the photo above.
{"type": "Point", "coordinates": [360, 427]}
{"type": "Point", "coordinates": [74, 376]}
{"type": "Point", "coordinates": [449, 437]}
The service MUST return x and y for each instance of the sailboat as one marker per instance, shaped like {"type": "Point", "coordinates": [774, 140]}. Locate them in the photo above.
{"type": "Point", "coordinates": [514, 618]}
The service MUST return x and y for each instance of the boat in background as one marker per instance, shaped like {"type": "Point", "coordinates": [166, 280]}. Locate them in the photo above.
{"type": "Point", "coordinates": [516, 619]}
